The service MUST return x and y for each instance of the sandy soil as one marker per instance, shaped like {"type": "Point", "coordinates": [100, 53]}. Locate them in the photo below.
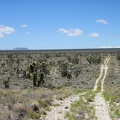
{"type": "Point", "coordinates": [58, 112]}
{"type": "Point", "coordinates": [101, 107]}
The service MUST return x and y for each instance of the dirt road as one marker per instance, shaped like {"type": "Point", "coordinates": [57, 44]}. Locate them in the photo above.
{"type": "Point", "coordinates": [101, 106]}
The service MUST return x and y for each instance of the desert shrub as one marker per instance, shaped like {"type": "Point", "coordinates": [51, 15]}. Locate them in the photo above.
{"type": "Point", "coordinates": [118, 57]}
{"type": "Point", "coordinates": [33, 114]}
{"type": "Point", "coordinates": [28, 75]}
{"type": "Point", "coordinates": [90, 99]}
{"type": "Point", "coordinates": [63, 69]}
{"type": "Point", "coordinates": [64, 93]}
{"type": "Point", "coordinates": [69, 58]}
{"type": "Point", "coordinates": [43, 68]}
{"type": "Point", "coordinates": [20, 109]}
{"type": "Point", "coordinates": [64, 73]}
{"type": "Point", "coordinates": [75, 60]}
{"type": "Point", "coordinates": [47, 55]}
{"type": "Point", "coordinates": [3, 65]}
{"type": "Point", "coordinates": [67, 84]}
{"type": "Point", "coordinates": [93, 59]}
{"type": "Point", "coordinates": [106, 95]}
{"type": "Point", "coordinates": [117, 112]}
{"type": "Point", "coordinates": [6, 83]}
{"type": "Point", "coordinates": [10, 55]}
{"type": "Point", "coordinates": [44, 104]}
{"type": "Point", "coordinates": [60, 62]}
{"type": "Point", "coordinates": [77, 71]}
{"type": "Point", "coordinates": [24, 74]}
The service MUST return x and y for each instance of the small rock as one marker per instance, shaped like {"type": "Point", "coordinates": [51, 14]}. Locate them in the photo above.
{"type": "Point", "coordinates": [35, 108]}
{"type": "Point", "coordinates": [66, 107]}
{"type": "Point", "coordinates": [117, 101]}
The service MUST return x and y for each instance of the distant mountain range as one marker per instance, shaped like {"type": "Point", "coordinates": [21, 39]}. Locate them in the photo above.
{"type": "Point", "coordinates": [20, 48]}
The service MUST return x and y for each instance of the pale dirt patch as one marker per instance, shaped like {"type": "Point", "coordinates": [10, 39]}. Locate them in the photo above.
{"type": "Point", "coordinates": [101, 107]}
{"type": "Point", "coordinates": [58, 112]}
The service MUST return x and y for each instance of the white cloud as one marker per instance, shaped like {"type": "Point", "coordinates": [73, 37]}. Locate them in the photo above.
{"type": "Point", "coordinates": [5, 30]}
{"type": "Point", "coordinates": [110, 47]}
{"type": "Point", "coordinates": [1, 35]}
{"type": "Point", "coordinates": [94, 35]}
{"type": "Point", "coordinates": [102, 21]}
{"type": "Point", "coordinates": [62, 30]}
{"type": "Point", "coordinates": [71, 32]}
{"type": "Point", "coordinates": [24, 26]}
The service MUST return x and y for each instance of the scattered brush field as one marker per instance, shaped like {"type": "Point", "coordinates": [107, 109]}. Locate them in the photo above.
{"type": "Point", "coordinates": [30, 103]}
{"type": "Point", "coordinates": [30, 82]}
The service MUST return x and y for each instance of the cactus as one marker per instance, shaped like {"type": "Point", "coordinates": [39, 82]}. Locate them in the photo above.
{"type": "Point", "coordinates": [69, 76]}
{"type": "Point", "coordinates": [34, 79]}
{"type": "Point", "coordinates": [41, 80]}
{"type": "Point", "coordinates": [28, 75]}
{"type": "Point", "coordinates": [31, 68]}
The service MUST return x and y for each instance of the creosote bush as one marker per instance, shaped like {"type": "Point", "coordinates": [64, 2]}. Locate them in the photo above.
{"type": "Point", "coordinates": [6, 83]}
{"type": "Point", "coordinates": [118, 57]}
{"type": "Point", "coordinates": [93, 59]}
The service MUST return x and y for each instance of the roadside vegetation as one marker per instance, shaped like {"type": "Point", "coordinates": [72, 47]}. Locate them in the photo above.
{"type": "Point", "coordinates": [82, 109]}
{"type": "Point", "coordinates": [112, 87]}
{"type": "Point", "coordinates": [112, 96]}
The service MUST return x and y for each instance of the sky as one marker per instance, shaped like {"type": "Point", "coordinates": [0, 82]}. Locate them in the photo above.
{"type": "Point", "coordinates": [59, 24]}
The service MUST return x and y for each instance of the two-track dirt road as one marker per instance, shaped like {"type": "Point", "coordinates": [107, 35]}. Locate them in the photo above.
{"type": "Point", "coordinates": [101, 106]}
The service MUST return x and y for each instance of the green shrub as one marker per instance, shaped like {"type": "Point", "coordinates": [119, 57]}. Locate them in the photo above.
{"type": "Point", "coordinates": [34, 115]}
{"type": "Point", "coordinates": [117, 113]}
{"type": "Point", "coordinates": [43, 104]}
{"type": "Point", "coordinates": [93, 59]}
{"type": "Point", "coordinates": [106, 95]}
{"type": "Point", "coordinates": [28, 75]}
{"type": "Point", "coordinates": [118, 57]}
{"type": "Point", "coordinates": [6, 83]}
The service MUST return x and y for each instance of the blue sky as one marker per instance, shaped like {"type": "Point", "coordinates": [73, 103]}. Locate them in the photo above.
{"type": "Point", "coordinates": [59, 24]}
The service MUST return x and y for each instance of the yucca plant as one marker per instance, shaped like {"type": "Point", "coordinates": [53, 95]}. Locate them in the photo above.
{"type": "Point", "coordinates": [34, 78]}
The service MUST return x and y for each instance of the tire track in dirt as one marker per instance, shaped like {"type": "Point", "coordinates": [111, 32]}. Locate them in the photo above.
{"type": "Point", "coordinates": [101, 106]}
